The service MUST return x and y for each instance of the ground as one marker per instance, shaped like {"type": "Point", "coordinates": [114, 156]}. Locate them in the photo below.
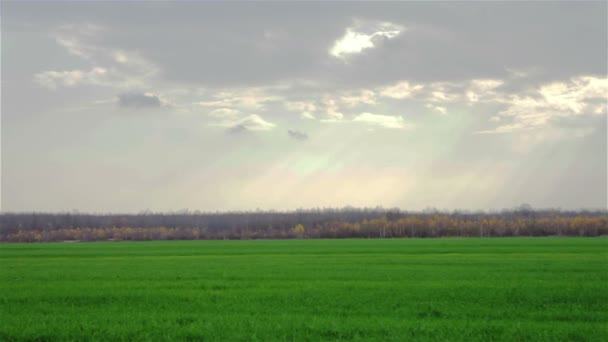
{"type": "Point", "coordinates": [527, 289]}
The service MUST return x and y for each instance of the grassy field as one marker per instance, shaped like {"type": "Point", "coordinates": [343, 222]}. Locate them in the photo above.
{"type": "Point", "coordinates": [513, 289]}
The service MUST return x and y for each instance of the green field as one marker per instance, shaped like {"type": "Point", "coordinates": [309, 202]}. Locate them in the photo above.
{"type": "Point", "coordinates": [512, 289]}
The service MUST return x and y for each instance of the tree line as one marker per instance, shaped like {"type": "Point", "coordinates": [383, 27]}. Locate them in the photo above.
{"type": "Point", "coordinates": [313, 223]}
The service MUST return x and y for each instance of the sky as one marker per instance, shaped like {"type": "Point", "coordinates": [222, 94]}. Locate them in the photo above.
{"type": "Point", "coordinates": [166, 106]}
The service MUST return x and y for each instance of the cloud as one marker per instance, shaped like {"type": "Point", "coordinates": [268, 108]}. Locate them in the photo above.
{"type": "Point", "coordinates": [517, 102]}
{"type": "Point", "coordinates": [471, 91]}
{"type": "Point", "coordinates": [583, 95]}
{"type": "Point", "coordinates": [54, 79]}
{"type": "Point", "coordinates": [480, 89]}
{"type": "Point", "coordinates": [485, 84]}
{"type": "Point", "coordinates": [511, 109]}
{"type": "Point", "coordinates": [364, 96]}
{"type": "Point", "coordinates": [256, 123]}
{"type": "Point", "coordinates": [139, 100]}
{"type": "Point", "coordinates": [363, 36]}
{"type": "Point", "coordinates": [84, 41]}
{"type": "Point", "coordinates": [401, 90]}
{"type": "Point", "coordinates": [332, 110]}
{"type": "Point", "coordinates": [307, 115]}
{"type": "Point", "coordinates": [444, 92]}
{"type": "Point", "coordinates": [306, 109]}
{"type": "Point", "coordinates": [251, 122]}
{"type": "Point", "coordinates": [300, 106]}
{"type": "Point", "coordinates": [297, 135]}
{"type": "Point", "coordinates": [440, 109]}
{"type": "Point", "coordinates": [245, 98]}
{"type": "Point", "coordinates": [434, 47]}
{"type": "Point", "coordinates": [236, 129]}
{"type": "Point", "coordinates": [110, 67]}
{"type": "Point", "coordinates": [575, 96]}
{"type": "Point", "coordinates": [386, 121]}
{"type": "Point", "coordinates": [524, 122]}
{"type": "Point", "coordinates": [223, 112]}
{"type": "Point", "coordinates": [71, 38]}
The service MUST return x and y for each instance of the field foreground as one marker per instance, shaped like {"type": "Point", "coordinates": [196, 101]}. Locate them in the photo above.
{"type": "Point", "coordinates": [533, 289]}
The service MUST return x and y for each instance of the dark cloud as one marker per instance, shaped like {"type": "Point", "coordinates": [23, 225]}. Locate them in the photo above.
{"type": "Point", "coordinates": [272, 42]}
{"type": "Point", "coordinates": [297, 135]}
{"type": "Point", "coordinates": [252, 62]}
{"type": "Point", "coordinates": [139, 100]}
{"type": "Point", "coordinates": [237, 129]}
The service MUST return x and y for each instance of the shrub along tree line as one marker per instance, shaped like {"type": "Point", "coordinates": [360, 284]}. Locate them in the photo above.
{"type": "Point", "coordinates": [316, 223]}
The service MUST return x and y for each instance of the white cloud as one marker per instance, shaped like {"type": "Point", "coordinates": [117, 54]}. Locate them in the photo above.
{"type": "Point", "coordinates": [585, 95]}
{"type": "Point", "coordinates": [524, 122]}
{"type": "Point", "coordinates": [444, 92]}
{"type": "Point", "coordinates": [223, 112]}
{"type": "Point", "coordinates": [255, 123]}
{"type": "Point", "coordinates": [71, 37]}
{"type": "Point", "coordinates": [485, 84]}
{"type": "Point", "coordinates": [471, 92]}
{"type": "Point", "coordinates": [53, 79]}
{"type": "Point", "coordinates": [482, 89]}
{"type": "Point", "coordinates": [79, 40]}
{"type": "Point", "coordinates": [401, 90]}
{"type": "Point", "coordinates": [520, 73]}
{"type": "Point", "coordinates": [574, 96]}
{"type": "Point", "coordinates": [332, 110]}
{"type": "Point", "coordinates": [74, 47]}
{"type": "Point", "coordinates": [600, 108]}
{"type": "Point", "coordinates": [298, 106]}
{"type": "Point", "coordinates": [132, 63]}
{"type": "Point", "coordinates": [386, 121]}
{"type": "Point", "coordinates": [252, 98]}
{"type": "Point", "coordinates": [307, 115]}
{"type": "Point", "coordinates": [216, 103]}
{"type": "Point", "coordinates": [443, 96]}
{"type": "Point", "coordinates": [363, 36]}
{"type": "Point", "coordinates": [440, 109]}
{"type": "Point", "coordinates": [334, 116]}
{"type": "Point", "coordinates": [109, 67]}
{"type": "Point", "coordinates": [251, 122]}
{"type": "Point", "coordinates": [306, 109]}
{"type": "Point", "coordinates": [364, 96]}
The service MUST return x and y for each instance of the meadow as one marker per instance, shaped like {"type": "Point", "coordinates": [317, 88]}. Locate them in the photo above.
{"type": "Point", "coordinates": [473, 289]}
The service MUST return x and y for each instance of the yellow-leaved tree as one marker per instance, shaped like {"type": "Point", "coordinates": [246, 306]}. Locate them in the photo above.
{"type": "Point", "coordinates": [299, 229]}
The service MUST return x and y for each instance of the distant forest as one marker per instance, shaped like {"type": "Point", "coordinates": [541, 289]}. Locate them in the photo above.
{"type": "Point", "coordinates": [303, 224]}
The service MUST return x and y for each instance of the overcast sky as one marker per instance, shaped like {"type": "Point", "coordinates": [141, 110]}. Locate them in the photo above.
{"type": "Point", "coordinates": [125, 107]}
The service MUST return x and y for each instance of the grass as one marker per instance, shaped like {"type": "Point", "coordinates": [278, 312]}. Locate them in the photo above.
{"type": "Point", "coordinates": [511, 289]}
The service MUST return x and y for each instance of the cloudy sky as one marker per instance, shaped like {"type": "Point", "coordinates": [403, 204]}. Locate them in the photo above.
{"type": "Point", "coordinates": [125, 107]}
